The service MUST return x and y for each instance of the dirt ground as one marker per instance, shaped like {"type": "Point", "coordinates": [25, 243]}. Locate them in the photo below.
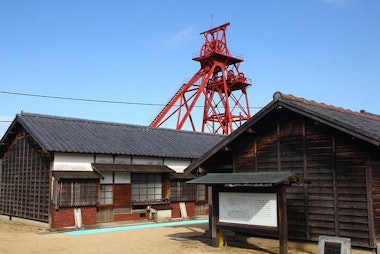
{"type": "Point", "coordinates": [21, 236]}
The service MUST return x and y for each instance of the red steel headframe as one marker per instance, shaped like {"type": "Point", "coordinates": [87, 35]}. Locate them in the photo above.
{"type": "Point", "coordinates": [224, 89]}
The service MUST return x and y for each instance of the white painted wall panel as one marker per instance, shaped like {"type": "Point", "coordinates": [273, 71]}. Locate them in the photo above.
{"type": "Point", "coordinates": [104, 159]}
{"type": "Point", "coordinates": [122, 177]}
{"type": "Point", "coordinates": [177, 165]}
{"type": "Point", "coordinates": [146, 160]}
{"type": "Point", "coordinates": [108, 177]}
{"type": "Point", "coordinates": [122, 159]}
{"type": "Point", "coordinates": [73, 162]}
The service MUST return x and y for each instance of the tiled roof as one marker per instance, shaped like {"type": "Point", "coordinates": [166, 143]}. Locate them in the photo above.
{"type": "Point", "coordinates": [132, 168]}
{"type": "Point", "coordinates": [63, 134]}
{"type": "Point", "coordinates": [257, 178]}
{"type": "Point", "coordinates": [182, 176]}
{"type": "Point", "coordinates": [83, 175]}
{"type": "Point", "coordinates": [361, 123]}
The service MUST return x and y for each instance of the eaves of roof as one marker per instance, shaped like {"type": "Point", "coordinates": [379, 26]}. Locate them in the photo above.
{"type": "Point", "coordinates": [257, 179]}
{"type": "Point", "coordinates": [72, 135]}
{"type": "Point", "coordinates": [78, 175]}
{"type": "Point", "coordinates": [359, 125]}
{"type": "Point", "coordinates": [134, 168]}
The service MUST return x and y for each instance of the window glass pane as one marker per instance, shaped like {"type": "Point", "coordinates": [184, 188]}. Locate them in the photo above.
{"type": "Point", "coordinates": [174, 190]}
{"type": "Point", "coordinates": [147, 187]}
{"type": "Point", "coordinates": [180, 191]}
{"type": "Point", "coordinates": [201, 194]}
{"type": "Point", "coordinates": [106, 194]}
{"type": "Point", "coordinates": [135, 178]}
{"type": "Point", "coordinates": [158, 190]}
{"type": "Point", "coordinates": [77, 193]}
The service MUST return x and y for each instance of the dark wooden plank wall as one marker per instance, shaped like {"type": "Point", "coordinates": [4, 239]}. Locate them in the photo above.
{"type": "Point", "coordinates": [320, 171]}
{"type": "Point", "coordinates": [335, 203]}
{"type": "Point", "coordinates": [351, 187]}
{"type": "Point", "coordinates": [245, 161]}
{"type": "Point", "coordinates": [291, 158]}
{"type": "Point", "coordinates": [25, 180]}
{"type": "Point", "coordinates": [374, 164]}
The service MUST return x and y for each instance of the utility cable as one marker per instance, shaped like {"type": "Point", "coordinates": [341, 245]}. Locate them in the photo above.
{"type": "Point", "coordinates": [80, 99]}
{"type": "Point", "coordinates": [91, 100]}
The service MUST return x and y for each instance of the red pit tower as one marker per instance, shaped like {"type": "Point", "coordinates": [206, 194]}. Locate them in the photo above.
{"type": "Point", "coordinates": [219, 81]}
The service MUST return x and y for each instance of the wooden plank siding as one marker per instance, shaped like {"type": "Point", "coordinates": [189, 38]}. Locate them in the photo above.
{"type": "Point", "coordinates": [352, 202]}
{"type": "Point", "coordinates": [374, 165]}
{"type": "Point", "coordinates": [319, 170]}
{"type": "Point", "coordinates": [336, 201]}
{"type": "Point", "coordinates": [25, 180]}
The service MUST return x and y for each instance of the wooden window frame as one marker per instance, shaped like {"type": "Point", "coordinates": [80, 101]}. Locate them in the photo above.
{"type": "Point", "coordinates": [76, 193]}
{"type": "Point", "coordinates": [103, 197]}
{"type": "Point", "coordinates": [180, 191]}
{"type": "Point", "coordinates": [145, 190]}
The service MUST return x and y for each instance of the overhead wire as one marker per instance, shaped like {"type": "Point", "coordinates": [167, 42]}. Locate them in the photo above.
{"type": "Point", "coordinates": [90, 100]}
{"type": "Point", "coordinates": [80, 99]}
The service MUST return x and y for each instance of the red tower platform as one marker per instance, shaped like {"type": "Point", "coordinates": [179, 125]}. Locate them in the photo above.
{"type": "Point", "coordinates": [219, 81]}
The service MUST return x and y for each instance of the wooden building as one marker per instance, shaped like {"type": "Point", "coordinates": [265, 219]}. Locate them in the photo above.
{"type": "Point", "coordinates": [336, 149]}
{"type": "Point", "coordinates": [53, 167]}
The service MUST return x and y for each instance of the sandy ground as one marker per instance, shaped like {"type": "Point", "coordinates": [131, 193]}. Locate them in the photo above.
{"type": "Point", "coordinates": [21, 236]}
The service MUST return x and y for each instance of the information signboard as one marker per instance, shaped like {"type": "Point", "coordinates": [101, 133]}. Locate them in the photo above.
{"type": "Point", "coordinates": [259, 209]}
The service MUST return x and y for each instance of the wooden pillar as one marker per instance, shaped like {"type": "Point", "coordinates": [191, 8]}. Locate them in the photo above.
{"type": "Point", "coordinates": [282, 220]}
{"type": "Point", "coordinates": [214, 217]}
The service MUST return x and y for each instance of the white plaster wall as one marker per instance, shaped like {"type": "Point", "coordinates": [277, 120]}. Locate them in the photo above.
{"type": "Point", "coordinates": [73, 162]}
{"type": "Point", "coordinates": [146, 160]}
{"type": "Point", "coordinates": [82, 162]}
{"type": "Point", "coordinates": [178, 165]}
{"type": "Point", "coordinates": [122, 177]}
{"type": "Point", "coordinates": [108, 177]}
{"type": "Point", "coordinates": [104, 159]}
{"type": "Point", "coordinates": [122, 159]}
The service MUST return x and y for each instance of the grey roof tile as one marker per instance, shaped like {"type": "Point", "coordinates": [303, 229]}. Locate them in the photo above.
{"type": "Point", "coordinates": [63, 134]}
{"type": "Point", "coordinates": [104, 167]}
{"type": "Point", "coordinates": [258, 178]}
{"type": "Point", "coordinates": [79, 175]}
{"type": "Point", "coordinates": [362, 123]}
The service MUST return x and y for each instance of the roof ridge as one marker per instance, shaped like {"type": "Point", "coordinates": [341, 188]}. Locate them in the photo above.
{"type": "Point", "coordinates": [362, 113]}
{"type": "Point", "coordinates": [64, 118]}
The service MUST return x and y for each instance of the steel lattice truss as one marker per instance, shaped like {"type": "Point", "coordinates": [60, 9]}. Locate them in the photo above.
{"type": "Point", "coordinates": [218, 82]}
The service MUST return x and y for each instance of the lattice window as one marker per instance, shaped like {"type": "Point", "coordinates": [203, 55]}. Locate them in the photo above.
{"type": "Point", "coordinates": [201, 192]}
{"type": "Point", "coordinates": [180, 191]}
{"type": "Point", "coordinates": [75, 193]}
{"type": "Point", "coordinates": [106, 194]}
{"type": "Point", "coordinates": [146, 187]}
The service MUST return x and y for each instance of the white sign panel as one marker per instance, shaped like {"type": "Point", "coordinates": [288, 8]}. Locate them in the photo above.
{"type": "Point", "coordinates": [258, 209]}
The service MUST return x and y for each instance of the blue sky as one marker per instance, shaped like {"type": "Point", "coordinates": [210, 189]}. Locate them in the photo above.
{"type": "Point", "coordinates": [141, 52]}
